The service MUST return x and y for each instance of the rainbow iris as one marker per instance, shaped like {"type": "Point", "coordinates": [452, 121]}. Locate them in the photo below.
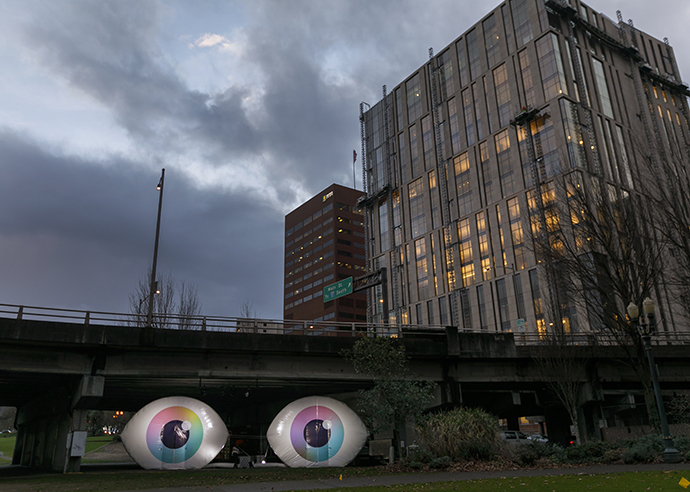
{"type": "Point", "coordinates": [174, 434]}
{"type": "Point", "coordinates": [317, 433]}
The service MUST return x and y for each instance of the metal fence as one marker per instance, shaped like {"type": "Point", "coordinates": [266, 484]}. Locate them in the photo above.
{"type": "Point", "coordinates": [216, 323]}
{"type": "Point", "coordinates": [310, 328]}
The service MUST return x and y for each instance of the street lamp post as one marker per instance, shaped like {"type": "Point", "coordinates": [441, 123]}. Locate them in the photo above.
{"type": "Point", "coordinates": [646, 330]}
{"type": "Point", "coordinates": [153, 287]}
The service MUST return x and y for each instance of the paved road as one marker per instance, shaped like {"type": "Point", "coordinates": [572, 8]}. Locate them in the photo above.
{"type": "Point", "coordinates": [422, 478]}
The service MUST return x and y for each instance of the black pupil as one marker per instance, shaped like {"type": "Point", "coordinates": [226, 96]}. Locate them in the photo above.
{"type": "Point", "coordinates": [173, 435]}
{"type": "Point", "coordinates": [315, 435]}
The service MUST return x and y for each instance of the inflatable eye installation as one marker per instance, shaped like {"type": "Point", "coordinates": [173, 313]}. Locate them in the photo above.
{"type": "Point", "coordinates": [316, 431]}
{"type": "Point", "coordinates": [175, 433]}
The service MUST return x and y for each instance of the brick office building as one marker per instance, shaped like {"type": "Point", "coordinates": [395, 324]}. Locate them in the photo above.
{"type": "Point", "coordinates": [324, 243]}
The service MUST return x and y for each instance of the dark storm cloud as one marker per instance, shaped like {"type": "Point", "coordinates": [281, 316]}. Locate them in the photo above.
{"type": "Point", "coordinates": [82, 232]}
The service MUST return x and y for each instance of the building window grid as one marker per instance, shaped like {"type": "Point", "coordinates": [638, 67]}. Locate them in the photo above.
{"type": "Point", "coordinates": [462, 63]}
{"type": "Point", "coordinates": [383, 225]}
{"type": "Point", "coordinates": [454, 126]}
{"type": "Point", "coordinates": [446, 73]}
{"type": "Point", "coordinates": [416, 164]}
{"type": "Point", "coordinates": [489, 117]}
{"type": "Point", "coordinates": [519, 296]}
{"type": "Point", "coordinates": [517, 234]}
{"type": "Point", "coordinates": [414, 98]}
{"type": "Point", "coordinates": [473, 54]}
{"type": "Point", "coordinates": [463, 182]}
{"type": "Point", "coordinates": [509, 184]}
{"type": "Point", "coordinates": [602, 88]}
{"type": "Point", "coordinates": [466, 257]}
{"type": "Point", "coordinates": [510, 43]}
{"type": "Point", "coordinates": [487, 173]}
{"type": "Point", "coordinates": [397, 219]}
{"type": "Point", "coordinates": [551, 67]}
{"type": "Point", "coordinates": [502, 91]}
{"type": "Point", "coordinates": [504, 259]}
{"type": "Point", "coordinates": [433, 264]}
{"type": "Point", "coordinates": [416, 201]}
{"type": "Point", "coordinates": [527, 82]}
{"type": "Point", "coordinates": [477, 112]}
{"type": "Point", "coordinates": [521, 22]}
{"type": "Point", "coordinates": [573, 134]}
{"type": "Point", "coordinates": [469, 117]}
{"type": "Point", "coordinates": [537, 302]}
{"type": "Point", "coordinates": [491, 40]}
{"type": "Point", "coordinates": [484, 246]}
{"type": "Point", "coordinates": [481, 302]}
{"type": "Point", "coordinates": [435, 201]}
{"type": "Point", "coordinates": [503, 311]}
{"type": "Point", "coordinates": [427, 143]}
{"type": "Point", "coordinates": [443, 311]}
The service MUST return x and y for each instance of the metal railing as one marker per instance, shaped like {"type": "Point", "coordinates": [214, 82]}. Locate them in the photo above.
{"type": "Point", "coordinates": [215, 323]}
{"type": "Point", "coordinates": [310, 328]}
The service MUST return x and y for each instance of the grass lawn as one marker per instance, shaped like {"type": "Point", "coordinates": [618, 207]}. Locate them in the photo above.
{"type": "Point", "coordinates": [140, 480]}
{"type": "Point", "coordinates": [92, 443]}
{"type": "Point", "coordinates": [7, 444]}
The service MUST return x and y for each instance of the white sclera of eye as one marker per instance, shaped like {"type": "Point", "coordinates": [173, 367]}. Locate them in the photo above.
{"type": "Point", "coordinates": [354, 433]}
{"type": "Point", "coordinates": [215, 434]}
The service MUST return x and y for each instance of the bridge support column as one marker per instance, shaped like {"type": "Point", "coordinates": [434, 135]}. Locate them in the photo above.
{"type": "Point", "coordinates": [46, 426]}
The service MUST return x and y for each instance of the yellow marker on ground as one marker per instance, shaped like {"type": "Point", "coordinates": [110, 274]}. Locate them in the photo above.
{"type": "Point", "coordinates": [683, 483]}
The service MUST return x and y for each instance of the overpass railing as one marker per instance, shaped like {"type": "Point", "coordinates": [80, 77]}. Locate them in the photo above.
{"type": "Point", "coordinates": [309, 328]}
{"type": "Point", "coordinates": [216, 323]}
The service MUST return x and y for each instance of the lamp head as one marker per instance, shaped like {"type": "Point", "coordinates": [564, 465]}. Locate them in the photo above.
{"type": "Point", "coordinates": [633, 311]}
{"type": "Point", "coordinates": [648, 306]}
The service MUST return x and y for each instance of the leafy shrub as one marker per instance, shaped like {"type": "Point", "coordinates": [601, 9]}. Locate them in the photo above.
{"type": "Point", "coordinates": [420, 455]}
{"type": "Point", "coordinates": [415, 465]}
{"type": "Point", "coordinates": [640, 453]}
{"type": "Point", "coordinates": [442, 462]}
{"type": "Point", "coordinates": [460, 434]}
{"type": "Point", "coordinates": [682, 444]}
{"type": "Point", "coordinates": [526, 455]}
{"type": "Point", "coordinates": [612, 455]}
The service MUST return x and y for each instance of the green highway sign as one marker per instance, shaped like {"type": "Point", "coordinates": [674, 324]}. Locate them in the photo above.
{"type": "Point", "coordinates": [338, 289]}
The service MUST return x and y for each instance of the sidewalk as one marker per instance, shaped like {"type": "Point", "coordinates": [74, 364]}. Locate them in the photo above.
{"type": "Point", "coordinates": [420, 478]}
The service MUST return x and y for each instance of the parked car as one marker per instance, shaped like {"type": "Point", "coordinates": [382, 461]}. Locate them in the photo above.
{"type": "Point", "coordinates": [536, 438]}
{"type": "Point", "coordinates": [514, 438]}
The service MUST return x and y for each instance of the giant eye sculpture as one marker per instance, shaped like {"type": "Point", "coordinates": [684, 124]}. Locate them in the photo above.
{"type": "Point", "coordinates": [174, 433]}
{"type": "Point", "coordinates": [316, 431]}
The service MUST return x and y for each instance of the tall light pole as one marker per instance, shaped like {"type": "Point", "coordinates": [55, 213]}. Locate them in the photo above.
{"type": "Point", "coordinates": [646, 330]}
{"type": "Point", "coordinates": [153, 289]}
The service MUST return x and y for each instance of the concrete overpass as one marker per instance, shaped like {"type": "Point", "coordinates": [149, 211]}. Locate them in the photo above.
{"type": "Point", "coordinates": [55, 367]}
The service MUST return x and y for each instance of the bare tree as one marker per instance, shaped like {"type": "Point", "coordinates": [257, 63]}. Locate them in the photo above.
{"type": "Point", "coordinates": [247, 309]}
{"type": "Point", "coordinates": [606, 255]}
{"type": "Point", "coordinates": [189, 306]}
{"type": "Point", "coordinates": [562, 365]}
{"type": "Point", "coordinates": [176, 305]}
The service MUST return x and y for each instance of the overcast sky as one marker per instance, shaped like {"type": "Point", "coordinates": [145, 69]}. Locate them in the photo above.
{"type": "Point", "coordinates": [251, 106]}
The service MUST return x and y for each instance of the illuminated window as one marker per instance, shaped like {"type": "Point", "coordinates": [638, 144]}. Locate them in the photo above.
{"type": "Point", "coordinates": [461, 165]}
{"type": "Point", "coordinates": [422, 268]}
{"type": "Point", "coordinates": [466, 258]}
{"type": "Point", "coordinates": [516, 234]}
